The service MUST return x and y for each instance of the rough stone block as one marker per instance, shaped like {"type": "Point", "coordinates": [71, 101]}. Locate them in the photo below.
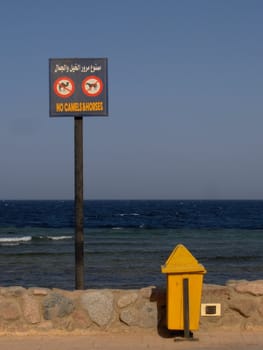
{"type": "Point", "coordinates": [260, 308]}
{"type": "Point", "coordinates": [253, 287]}
{"type": "Point", "coordinates": [30, 309]}
{"type": "Point", "coordinates": [15, 291]}
{"type": "Point", "coordinates": [45, 326]}
{"type": "Point", "coordinates": [148, 315]}
{"type": "Point", "coordinates": [56, 305]}
{"type": "Point", "coordinates": [9, 311]}
{"type": "Point", "coordinates": [147, 292]}
{"type": "Point", "coordinates": [245, 306]}
{"type": "Point", "coordinates": [81, 319]}
{"type": "Point", "coordinates": [39, 291]}
{"type": "Point", "coordinates": [231, 319]}
{"type": "Point", "coordinates": [215, 293]}
{"type": "Point", "coordinates": [130, 316]}
{"type": "Point", "coordinates": [145, 315]}
{"type": "Point", "coordinates": [127, 299]}
{"type": "Point", "coordinates": [99, 305]}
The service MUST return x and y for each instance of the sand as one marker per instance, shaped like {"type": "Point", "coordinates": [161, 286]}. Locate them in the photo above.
{"type": "Point", "coordinates": [215, 340]}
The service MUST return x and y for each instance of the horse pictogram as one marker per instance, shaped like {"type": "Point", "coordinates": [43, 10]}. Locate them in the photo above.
{"type": "Point", "coordinates": [92, 86]}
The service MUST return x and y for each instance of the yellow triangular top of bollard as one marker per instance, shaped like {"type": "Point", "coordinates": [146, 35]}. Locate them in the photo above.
{"type": "Point", "coordinates": [182, 261]}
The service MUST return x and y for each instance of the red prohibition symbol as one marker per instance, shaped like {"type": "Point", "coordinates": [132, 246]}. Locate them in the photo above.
{"type": "Point", "coordinates": [92, 86]}
{"type": "Point", "coordinates": [64, 87]}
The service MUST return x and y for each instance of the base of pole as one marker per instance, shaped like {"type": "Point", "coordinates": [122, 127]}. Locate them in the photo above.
{"type": "Point", "coordinates": [180, 336]}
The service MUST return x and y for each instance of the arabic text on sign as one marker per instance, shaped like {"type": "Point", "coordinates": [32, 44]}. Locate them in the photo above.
{"type": "Point", "coordinates": [64, 68]}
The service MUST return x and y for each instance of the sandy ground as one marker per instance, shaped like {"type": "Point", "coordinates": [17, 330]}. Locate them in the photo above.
{"type": "Point", "coordinates": [215, 340]}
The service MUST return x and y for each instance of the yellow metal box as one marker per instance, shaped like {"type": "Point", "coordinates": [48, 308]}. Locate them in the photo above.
{"type": "Point", "coordinates": [181, 265]}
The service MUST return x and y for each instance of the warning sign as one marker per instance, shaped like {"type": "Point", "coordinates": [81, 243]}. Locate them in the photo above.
{"type": "Point", "coordinates": [92, 86]}
{"type": "Point", "coordinates": [64, 87]}
{"type": "Point", "coordinates": [78, 87]}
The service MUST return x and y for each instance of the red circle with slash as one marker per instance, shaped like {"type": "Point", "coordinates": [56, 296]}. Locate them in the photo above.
{"type": "Point", "coordinates": [64, 87]}
{"type": "Point", "coordinates": [92, 86]}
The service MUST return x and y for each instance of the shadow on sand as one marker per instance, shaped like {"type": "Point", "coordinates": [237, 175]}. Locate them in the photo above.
{"type": "Point", "coordinates": [159, 297]}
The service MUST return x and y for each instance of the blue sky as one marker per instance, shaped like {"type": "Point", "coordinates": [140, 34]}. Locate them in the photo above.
{"type": "Point", "coordinates": [185, 99]}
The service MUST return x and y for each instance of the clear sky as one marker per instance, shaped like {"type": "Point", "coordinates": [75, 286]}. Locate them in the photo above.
{"type": "Point", "coordinates": [185, 99]}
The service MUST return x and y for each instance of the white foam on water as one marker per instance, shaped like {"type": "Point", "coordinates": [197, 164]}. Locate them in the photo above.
{"type": "Point", "coordinates": [15, 239]}
{"type": "Point", "coordinates": [59, 238]}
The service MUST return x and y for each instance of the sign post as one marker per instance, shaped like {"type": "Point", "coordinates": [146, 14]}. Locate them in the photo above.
{"type": "Point", "coordinates": [79, 217]}
{"type": "Point", "coordinates": [78, 87]}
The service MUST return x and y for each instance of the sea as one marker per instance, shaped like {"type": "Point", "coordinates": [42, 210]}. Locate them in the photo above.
{"type": "Point", "coordinates": [127, 241]}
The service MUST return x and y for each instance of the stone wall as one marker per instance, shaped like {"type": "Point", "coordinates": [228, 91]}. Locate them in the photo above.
{"type": "Point", "coordinates": [41, 309]}
{"type": "Point", "coordinates": [241, 305]}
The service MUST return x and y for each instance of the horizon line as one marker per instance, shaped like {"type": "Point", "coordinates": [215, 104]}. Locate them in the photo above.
{"type": "Point", "coordinates": [132, 199]}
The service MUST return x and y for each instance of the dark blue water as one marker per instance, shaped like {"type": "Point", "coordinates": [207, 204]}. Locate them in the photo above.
{"type": "Point", "coordinates": [126, 242]}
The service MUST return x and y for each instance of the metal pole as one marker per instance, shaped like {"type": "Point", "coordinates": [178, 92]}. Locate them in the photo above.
{"type": "Point", "coordinates": [79, 233]}
{"type": "Point", "coordinates": [186, 307]}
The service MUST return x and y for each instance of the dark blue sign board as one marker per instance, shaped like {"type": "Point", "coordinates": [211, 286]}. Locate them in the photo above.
{"type": "Point", "coordinates": [78, 87]}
